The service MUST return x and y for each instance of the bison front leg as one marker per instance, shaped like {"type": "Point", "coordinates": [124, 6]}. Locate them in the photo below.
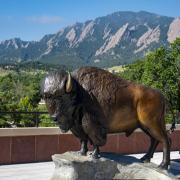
{"type": "Point", "coordinates": [79, 133]}
{"type": "Point", "coordinates": [95, 131]}
{"type": "Point", "coordinates": [84, 149]}
{"type": "Point", "coordinates": [96, 152]}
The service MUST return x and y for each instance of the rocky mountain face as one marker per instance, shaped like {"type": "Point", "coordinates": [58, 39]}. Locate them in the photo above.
{"type": "Point", "coordinates": [115, 39]}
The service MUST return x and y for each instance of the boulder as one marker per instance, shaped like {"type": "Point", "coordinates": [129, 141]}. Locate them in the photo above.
{"type": "Point", "coordinates": [73, 166]}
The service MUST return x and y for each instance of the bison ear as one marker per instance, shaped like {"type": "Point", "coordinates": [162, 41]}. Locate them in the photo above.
{"type": "Point", "coordinates": [69, 84]}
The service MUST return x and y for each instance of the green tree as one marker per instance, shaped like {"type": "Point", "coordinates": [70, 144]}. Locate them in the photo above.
{"type": "Point", "coordinates": [134, 71]}
{"type": "Point", "coordinates": [160, 69]}
{"type": "Point", "coordinates": [19, 92]}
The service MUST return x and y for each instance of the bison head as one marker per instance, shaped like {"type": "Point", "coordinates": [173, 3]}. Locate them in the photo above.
{"type": "Point", "coordinates": [60, 98]}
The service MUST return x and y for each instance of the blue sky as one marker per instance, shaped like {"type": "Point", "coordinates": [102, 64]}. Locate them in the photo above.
{"type": "Point", "coordinates": [32, 19]}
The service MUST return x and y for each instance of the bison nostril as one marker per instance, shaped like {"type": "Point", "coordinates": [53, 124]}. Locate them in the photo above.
{"type": "Point", "coordinates": [54, 118]}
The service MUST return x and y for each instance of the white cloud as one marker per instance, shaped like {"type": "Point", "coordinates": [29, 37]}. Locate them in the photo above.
{"type": "Point", "coordinates": [45, 19]}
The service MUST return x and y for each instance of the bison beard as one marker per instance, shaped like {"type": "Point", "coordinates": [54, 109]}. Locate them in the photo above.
{"type": "Point", "coordinates": [92, 102]}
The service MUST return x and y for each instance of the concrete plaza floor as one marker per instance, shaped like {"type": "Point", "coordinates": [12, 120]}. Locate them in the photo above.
{"type": "Point", "coordinates": [44, 170]}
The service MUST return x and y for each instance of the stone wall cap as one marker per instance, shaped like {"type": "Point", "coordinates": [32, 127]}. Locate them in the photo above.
{"type": "Point", "coordinates": [33, 131]}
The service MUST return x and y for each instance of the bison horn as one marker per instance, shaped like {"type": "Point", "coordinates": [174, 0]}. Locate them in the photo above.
{"type": "Point", "coordinates": [69, 83]}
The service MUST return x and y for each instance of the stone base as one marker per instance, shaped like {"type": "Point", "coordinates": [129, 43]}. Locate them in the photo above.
{"type": "Point", "coordinates": [73, 166]}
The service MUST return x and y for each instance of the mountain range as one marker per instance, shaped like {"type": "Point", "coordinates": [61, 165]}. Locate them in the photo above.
{"type": "Point", "coordinates": [115, 39]}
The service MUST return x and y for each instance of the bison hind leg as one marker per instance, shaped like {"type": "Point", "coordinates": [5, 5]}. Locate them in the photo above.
{"type": "Point", "coordinates": [165, 140]}
{"type": "Point", "coordinates": [166, 152]}
{"type": "Point", "coordinates": [151, 118]}
{"type": "Point", "coordinates": [147, 157]}
{"type": "Point", "coordinates": [158, 134]}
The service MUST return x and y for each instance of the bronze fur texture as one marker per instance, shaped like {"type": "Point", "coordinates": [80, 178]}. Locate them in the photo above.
{"type": "Point", "coordinates": [92, 102]}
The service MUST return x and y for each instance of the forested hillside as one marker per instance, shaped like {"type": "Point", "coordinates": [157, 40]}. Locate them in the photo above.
{"type": "Point", "coordinates": [116, 39]}
{"type": "Point", "coordinates": [20, 86]}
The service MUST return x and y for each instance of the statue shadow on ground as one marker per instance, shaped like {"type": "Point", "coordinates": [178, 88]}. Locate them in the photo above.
{"type": "Point", "coordinates": [175, 168]}
{"type": "Point", "coordinates": [120, 158]}
{"type": "Point", "coordinates": [126, 159]}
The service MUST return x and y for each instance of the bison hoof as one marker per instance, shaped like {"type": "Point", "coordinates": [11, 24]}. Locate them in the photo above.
{"type": "Point", "coordinates": [163, 166]}
{"type": "Point", "coordinates": [95, 155]}
{"type": "Point", "coordinates": [145, 159]}
{"type": "Point", "coordinates": [82, 153]}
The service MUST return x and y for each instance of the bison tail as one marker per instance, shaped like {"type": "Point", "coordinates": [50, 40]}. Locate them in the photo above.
{"type": "Point", "coordinates": [174, 117]}
{"type": "Point", "coordinates": [173, 125]}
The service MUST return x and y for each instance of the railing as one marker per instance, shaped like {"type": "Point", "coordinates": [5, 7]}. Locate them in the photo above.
{"type": "Point", "coordinates": [34, 118]}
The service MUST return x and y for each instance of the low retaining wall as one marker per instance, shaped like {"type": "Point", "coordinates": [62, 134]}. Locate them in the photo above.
{"type": "Point", "coordinates": [22, 145]}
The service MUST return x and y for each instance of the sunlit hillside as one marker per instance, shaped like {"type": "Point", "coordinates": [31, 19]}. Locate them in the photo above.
{"type": "Point", "coordinates": [116, 69]}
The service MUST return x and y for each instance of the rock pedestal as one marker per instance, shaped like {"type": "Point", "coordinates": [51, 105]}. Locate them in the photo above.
{"type": "Point", "coordinates": [73, 166]}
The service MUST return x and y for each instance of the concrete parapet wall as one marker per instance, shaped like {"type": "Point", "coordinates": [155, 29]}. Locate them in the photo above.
{"type": "Point", "coordinates": [22, 145]}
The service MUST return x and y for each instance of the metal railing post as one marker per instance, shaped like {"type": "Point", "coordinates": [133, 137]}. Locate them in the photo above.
{"type": "Point", "coordinates": [36, 113]}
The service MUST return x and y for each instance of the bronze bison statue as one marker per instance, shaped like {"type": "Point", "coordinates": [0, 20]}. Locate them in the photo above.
{"type": "Point", "coordinates": [92, 102]}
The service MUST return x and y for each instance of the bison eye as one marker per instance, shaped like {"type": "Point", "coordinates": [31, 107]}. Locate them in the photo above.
{"type": "Point", "coordinates": [59, 97]}
{"type": "Point", "coordinates": [48, 96]}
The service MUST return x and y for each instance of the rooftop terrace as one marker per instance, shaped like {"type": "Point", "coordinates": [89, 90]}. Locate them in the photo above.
{"type": "Point", "coordinates": [22, 150]}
